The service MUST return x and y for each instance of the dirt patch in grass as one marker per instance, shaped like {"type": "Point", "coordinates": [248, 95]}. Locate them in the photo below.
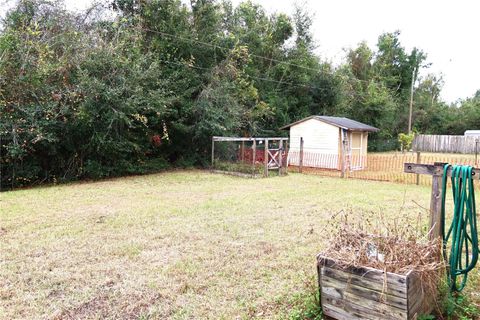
{"type": "Point", "coordinates": [112, 306]}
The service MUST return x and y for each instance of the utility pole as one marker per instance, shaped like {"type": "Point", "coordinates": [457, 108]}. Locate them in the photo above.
{"type": "Point", "coordinates": [411, 102]}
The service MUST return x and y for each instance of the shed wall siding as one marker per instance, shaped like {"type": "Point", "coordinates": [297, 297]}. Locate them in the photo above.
{"type": "Point", "coordinates": [316, 135]}
{"type": "Point", "coordinates": [320, 144]}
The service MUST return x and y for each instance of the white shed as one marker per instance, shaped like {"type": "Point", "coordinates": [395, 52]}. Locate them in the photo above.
{"type": "Point", "coordinates": [322, 142]}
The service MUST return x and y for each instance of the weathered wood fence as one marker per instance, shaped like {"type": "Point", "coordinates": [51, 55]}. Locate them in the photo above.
{"type": "Point", "coordinates": [446, 144]}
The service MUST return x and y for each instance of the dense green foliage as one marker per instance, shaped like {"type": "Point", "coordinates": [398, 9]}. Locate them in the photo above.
{"type": "Point", "coordinates": [134, 86]}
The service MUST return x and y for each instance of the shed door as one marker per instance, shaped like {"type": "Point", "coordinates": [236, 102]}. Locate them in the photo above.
{"type": "Point", "coordinates": [357, 153]}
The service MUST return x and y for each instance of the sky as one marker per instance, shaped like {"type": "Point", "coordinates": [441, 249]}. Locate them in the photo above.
{"type": "Point", "coordinates": [446, 30]}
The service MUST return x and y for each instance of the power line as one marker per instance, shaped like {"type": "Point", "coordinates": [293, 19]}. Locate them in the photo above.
{"type": "Point", "coordinates": [253, 77]}
{"type": "Point", "coordinates": [287, 83]}
{"type": "Point", "coordinates": [225, 48]}
{"type": "Point", "coordinates": [215, 46]}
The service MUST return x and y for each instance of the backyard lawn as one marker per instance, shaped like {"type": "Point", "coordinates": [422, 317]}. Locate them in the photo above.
{"type": "Point", "coordinates": [179, 245]}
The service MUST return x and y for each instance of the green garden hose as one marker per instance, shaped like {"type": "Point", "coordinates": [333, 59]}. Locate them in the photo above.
{"type": "Point", "coordinates": [462, 234]}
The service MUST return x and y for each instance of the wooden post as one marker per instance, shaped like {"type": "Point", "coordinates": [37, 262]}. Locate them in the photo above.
{"type": "Point", "coordinates": [242, 151]}
{"type": "Point", "coordinates": [436, 202]}
{"type": "Point", "coordinates": [265, 160]}
{"type": "Point", "coordinates": [418, 161]}
{"type": "Point", "coordinates": [435, 207]}
{"type": "Point", "coordinates": [300, 161]}
{"type": "Point", "coordinates": [343, 155]}
{"type": "Point", "coordinates": [476, 151]}
{"type": "Point", "coordinates": [254, 156]}
{"type": "Point", "coordinates": [280, 151]}
{"type": "Point", "coordinates": [213, 151]}
{"type": "Point", "coordinates": [287, 153]}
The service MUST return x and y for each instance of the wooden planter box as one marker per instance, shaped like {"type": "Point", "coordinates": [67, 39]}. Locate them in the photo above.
{"type": "Point", "coordinates": [367, 293]}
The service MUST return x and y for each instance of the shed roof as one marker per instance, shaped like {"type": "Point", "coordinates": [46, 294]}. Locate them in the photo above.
{"type": "Point", "coordinates": [341, 122]}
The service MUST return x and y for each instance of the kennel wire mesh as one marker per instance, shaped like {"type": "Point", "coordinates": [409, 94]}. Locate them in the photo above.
{"type": "Point", "coordinates": [248, 156]}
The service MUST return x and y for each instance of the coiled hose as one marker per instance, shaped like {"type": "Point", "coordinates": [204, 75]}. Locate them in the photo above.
{"type": "Point", "coordinates": [463, 233]}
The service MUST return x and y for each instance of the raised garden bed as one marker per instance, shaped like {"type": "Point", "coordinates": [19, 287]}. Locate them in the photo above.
{"type": "Point", "coordinates": [368, 293]}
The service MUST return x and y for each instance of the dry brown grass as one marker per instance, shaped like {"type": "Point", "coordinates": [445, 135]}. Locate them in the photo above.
{"type": "Point", "coordinates": [177, 245]}
{"type": "Point", "coordinates": [397, 246]}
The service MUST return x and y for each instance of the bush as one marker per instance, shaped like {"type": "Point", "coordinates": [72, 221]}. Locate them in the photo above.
{"type": "Point", "coordinates": [406, 141]}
